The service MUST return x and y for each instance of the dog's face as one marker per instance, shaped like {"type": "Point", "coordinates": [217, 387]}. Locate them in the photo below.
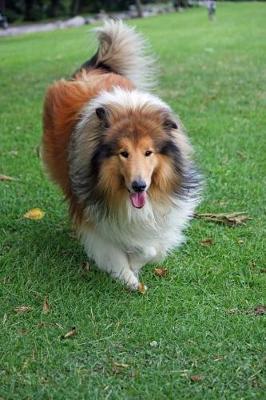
{"type": "Point", "coordinates": [137, 162]}
{"type": "Point", "coordinates": [137, 157]}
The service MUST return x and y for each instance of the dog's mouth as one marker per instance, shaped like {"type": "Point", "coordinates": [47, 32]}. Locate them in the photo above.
{"type": "Point", "coordinates": [138, 199]}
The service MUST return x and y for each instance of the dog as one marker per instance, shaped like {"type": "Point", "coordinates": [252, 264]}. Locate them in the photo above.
{"type": "Point", "coordinates": [120, 156]}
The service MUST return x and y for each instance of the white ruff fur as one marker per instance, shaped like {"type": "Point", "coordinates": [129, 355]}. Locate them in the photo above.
{"type": "Point", "coordinates": [134, 237]}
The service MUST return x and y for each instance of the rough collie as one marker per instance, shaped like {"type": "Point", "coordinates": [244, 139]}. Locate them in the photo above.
{"type": "Point", "coordinates": [120, 156]}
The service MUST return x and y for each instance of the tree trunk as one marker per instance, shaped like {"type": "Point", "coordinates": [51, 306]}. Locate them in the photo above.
{"type": "Point", "coordinates": [139, 8]}
{"type": "Point", "coordinates": [74, 7]}
{"type": "Point", "coordinates": [2, 6]}
{"type": "Point", "coordinates": [28, 9]}
{"type": "Point", "coordinates": [54, 8]}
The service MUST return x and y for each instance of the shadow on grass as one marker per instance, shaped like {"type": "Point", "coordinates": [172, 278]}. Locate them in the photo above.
{"type": "Point", "coordinates": [50, 253]}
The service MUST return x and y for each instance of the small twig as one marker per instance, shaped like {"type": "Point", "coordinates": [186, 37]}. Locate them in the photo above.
{"type": "Point", "coordinates": [70, 334]}
{"type": "Point", "coordinates": [46, 306]}
{"type": "Point", "coordinates": [233, 219]}
{"type": "Point", "coordinates": [7, 178]}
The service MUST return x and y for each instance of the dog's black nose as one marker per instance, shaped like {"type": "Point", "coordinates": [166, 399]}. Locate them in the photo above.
{"type": "Point", "coordinates": [138, 186]}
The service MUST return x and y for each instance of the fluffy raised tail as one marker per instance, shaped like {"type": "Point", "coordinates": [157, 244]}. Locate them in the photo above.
{"type": "Point", "coordinates": [123, 51]}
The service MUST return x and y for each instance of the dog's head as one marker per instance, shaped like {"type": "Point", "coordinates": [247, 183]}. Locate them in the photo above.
{"type": "Point", "coordinates": [128, 148]}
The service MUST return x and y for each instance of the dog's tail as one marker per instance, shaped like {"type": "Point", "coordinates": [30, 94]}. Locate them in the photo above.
{"type": "Point", "coordinates": [123, 51]}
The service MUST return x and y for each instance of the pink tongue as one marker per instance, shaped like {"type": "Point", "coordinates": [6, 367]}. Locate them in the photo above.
{"type": "Point", "coordinates": [138, 199]}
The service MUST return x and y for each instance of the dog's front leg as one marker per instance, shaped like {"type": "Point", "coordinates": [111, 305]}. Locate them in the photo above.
{"type": "Point", "coordinates": [109, 258]}
{"type": "Point", "coordinates": [137, 260]}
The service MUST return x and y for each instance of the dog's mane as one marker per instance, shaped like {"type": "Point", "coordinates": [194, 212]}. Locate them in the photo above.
{"type": "Point", "coordinates": [90, 146]}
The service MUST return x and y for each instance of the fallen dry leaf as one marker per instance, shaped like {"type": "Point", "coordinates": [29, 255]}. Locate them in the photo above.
{"type": "Point", "coordinates": [86, 266]}
{"type": "Point", "coordinates": [120, 365]}
{"type": "Point", "coordinates": [6, 178]}
{"type": "Point", "coordinates": [118, 368]}
{"type": "Point", "coordinates": [46, 306]}
{"type": "Point", "coordinates": [6, 279]}
{"type": "Point", "coordinates": [23, 332]}
{"type": "Point", "coordinates": [160, 271]}
{"type": "Point", "coordinates": [255, 382]}
{"type": "Point", "coordinates": [253, 264]}
{"type": "Point", "coordinates": [233, 219]}
{"type": "Point", "coordinates": [222, 203]}
{"type": "Point", "coordinates": [70, 334]}
{"type": "Point", "coordinates": [38, 151]}
{"type": "Point", "coordinates": [241, 155]}
{"type": "Point", "coordinates": [13, 153]}
{"type": "Point", "coordinates": [218, 358]}
{"type": "Point", "coordinates": [4, 319]}
{"type": "Point", "coordinates": [41, 325]}
{"type": "Point", "coordinates": [196, 378]}
{"type": "Point", "coordinates": [22, 309]}
{"type": "Point", "coordinates": [260, 310]}
{"type": "Point", "coordinates": [207, 242]}
{"type": "Point", "coordinates": [233, 311]}
{"type": "Point", "coordinates": [34, 213]}
{"type": "Point", "coordinates": [142, 288]}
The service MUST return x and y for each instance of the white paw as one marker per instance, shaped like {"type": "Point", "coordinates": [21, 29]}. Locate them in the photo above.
{"type": "Point", "coordinates": [133, 283]}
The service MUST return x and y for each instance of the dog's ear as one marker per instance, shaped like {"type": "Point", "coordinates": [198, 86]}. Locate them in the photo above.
{"type": "Point", "coordinates": [102, 116]}
{"type": "Point", "coordinates": [170, 124]}
{"type": "Point", "coordinates": [168, 121]}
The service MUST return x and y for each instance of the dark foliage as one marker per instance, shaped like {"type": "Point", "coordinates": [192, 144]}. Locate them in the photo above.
{"type": "Point", "coordinates": [35, 10]}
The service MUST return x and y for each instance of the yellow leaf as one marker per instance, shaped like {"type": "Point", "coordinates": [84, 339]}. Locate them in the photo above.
{"type": "Point", "coordinates": [35, 213]}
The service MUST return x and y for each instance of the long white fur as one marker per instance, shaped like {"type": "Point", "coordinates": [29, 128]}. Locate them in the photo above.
{"type": "Point", "coordinates": [122, 245]}
{"type": "Point", "coordinates": [126, 52]}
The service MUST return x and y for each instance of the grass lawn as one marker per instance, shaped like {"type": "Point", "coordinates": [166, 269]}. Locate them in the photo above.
{"type": "Point", "coordinates": [209, 341]}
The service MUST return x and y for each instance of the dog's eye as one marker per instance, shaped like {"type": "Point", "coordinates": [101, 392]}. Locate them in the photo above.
{"type": "Point", "coordinates": [148, 153]}
{"type": "Point", "coordinates": [124, 154]}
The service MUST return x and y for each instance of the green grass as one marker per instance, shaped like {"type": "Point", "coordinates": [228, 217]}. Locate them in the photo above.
{"type": "Point", "coordinates": [214, 76]}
